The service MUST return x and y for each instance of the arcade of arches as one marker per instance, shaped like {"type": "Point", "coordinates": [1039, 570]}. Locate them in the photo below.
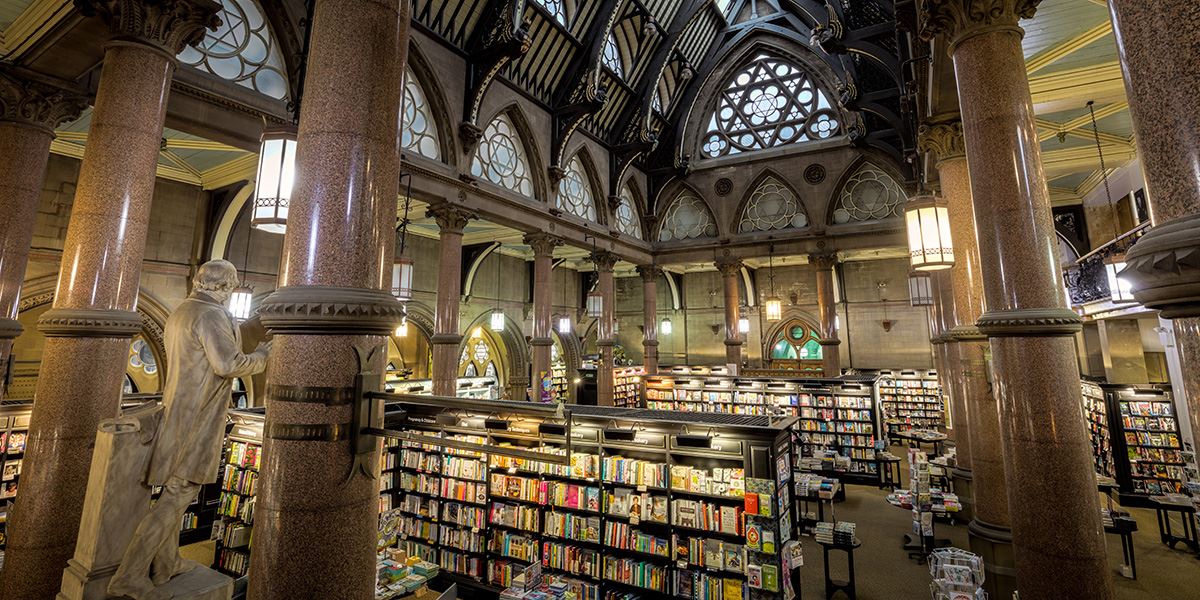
{"type": "Point", "coordinates": [602, 198]}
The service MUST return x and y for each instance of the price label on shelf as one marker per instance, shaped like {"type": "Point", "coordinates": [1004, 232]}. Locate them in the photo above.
{"type": "Point", "coordinates": [641, 488]}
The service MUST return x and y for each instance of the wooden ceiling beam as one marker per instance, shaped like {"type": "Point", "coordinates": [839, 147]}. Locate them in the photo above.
{"type": "Point", "coordinates": [1068, 47]}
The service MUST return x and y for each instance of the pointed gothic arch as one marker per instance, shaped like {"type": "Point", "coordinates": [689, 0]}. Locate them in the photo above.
{"type": "Point", "coordinates": [687, 216]}
{"type": "Point", "coordinates": [868, 192]}
{"type": "Point", "coordinates": [435, 111]}
{"type": "Point", "coordinates": [506, 155]}
{"type": "Point", "coordinates": [770, 204]}
{"type": "Point", "coordinates": [579, 192]}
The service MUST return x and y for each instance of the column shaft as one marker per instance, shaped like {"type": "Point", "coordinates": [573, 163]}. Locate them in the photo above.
{"type": "Point", "coordinates": [338, 252]}
{"type": "Point", "coordinates": [730, 271]}
{"type": "Point", "coordinates": [1047, 451]}
{"type": "Point", "coordinates": [650, 276]}
{"type": "Point", "coordinates": [604, 329]}
{"type": "Point", "coordinates": [451, 220]}
{"type": "Point", "coordinates": [543, 278]}
{"type": "Point", "coordinates": [831, 360]}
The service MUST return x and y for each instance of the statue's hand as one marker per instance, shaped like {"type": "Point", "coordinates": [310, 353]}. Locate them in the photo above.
{"type": "Point", "coordinates": [263, 348]}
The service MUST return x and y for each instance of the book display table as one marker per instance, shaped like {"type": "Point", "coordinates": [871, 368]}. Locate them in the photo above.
{"type": "Point", "coordinates": [889, 470]}
{"type": "Point", "coordinates": [917, 437]}
{"type": "Point", "coordinates": [846, 586]}
{"type": "Point", "coordinates": [1163, 507]}
{"type": "Point", "coordinates": [1122, 525]}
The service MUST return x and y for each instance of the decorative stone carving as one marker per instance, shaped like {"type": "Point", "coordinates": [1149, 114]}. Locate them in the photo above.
{"type": "Point", "coordinates": [543, 244]}
{"type": "Point", "coordinates": [1033, 322]}
{"type": "Point", "coordinates": [824, 261]}
{"type": "Point", "coordinates": [1164, 268]}
{"type": "Point", "coordinates": [649, 272]}
{"type": "Point", "coordinates": [961, 19]}
{"type": "Point", "coordinates": [74, 322]}
{"type": "Point", "coordinates": [605, 261]}
{"type": "Point", "coordinates": [450, 218]}
{"type": "Point", "coordinates": [814, 174]}
{"type": "Point", "coordinates": [323, 310]}
{"type": "Point", "coordinates": [943, 138]}
{"type": "Point", "coordinates": [723, 186]}
{"type": "Point", "coordinates": [169, 25]}
{"type": "Point", "coordinates": [967, 333]}
{"type": "Point", "coordinates": [10, 329]}
{"type": "Point", "coordinates": [730, 267]}
{"type": "Point", "coordinates": [31, 99]}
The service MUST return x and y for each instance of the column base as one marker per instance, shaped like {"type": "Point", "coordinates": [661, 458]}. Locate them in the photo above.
{"type": "Point", "coordinates": [994, 544]}
{"type": "Point", "coordinates": [962, 481]}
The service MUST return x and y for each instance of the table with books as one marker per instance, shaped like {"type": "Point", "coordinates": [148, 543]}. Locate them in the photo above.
{"type": "Point", "coordinates": [889, 469]}
{"type": "Point", "coordinates": [838, 537]}
{"type": "Point", "coordinates": [1186, 507]}
{"type": "Point", "coordinates": [916, 437]}
{"type": "Point", "coordinates": [813, 489]}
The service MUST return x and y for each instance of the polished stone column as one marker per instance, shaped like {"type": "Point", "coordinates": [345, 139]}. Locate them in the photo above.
{"type": "Point", "coordinates": [831, 360]}
{"type": "Point", "coordinates": [543, 246]}
{"type": "Point", "coordinates": [30, 108]}
{"type": "Point", "coordinates": [991, 536]}
{"type": "Point", "coordinates": [88, 330]}
{"type": "Point", "coordinates": [333, 312]}
{"type": "Point", "coordinates": [731, 270]}
{"type": "Point", "coordinates": [1053, 506]}
{"type": "Point", "coordinates": [605, 261]}
{"type": "Point", "coordinates": [650, 275]}
{"type": "Point", "coordinates": [1158, 43]}
{"type": "Point", "coordinates": [451, 220]}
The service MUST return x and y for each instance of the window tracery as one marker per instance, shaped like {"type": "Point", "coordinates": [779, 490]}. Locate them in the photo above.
{"type": "Point", "coordinates": [625, 216]}
{"type": "Point", "coordinates": [419, 132]}
{"type": "Point", "coordinates": [772, 206]}
{"type": "Point", "coordinates": [241, 50]}
{"type": "Point", "coordinates": [769, 103]}
{"type": "Point", "coordinates": [612, 57]}
{"type": "Point", "coordinates": [869, 195]}
{"type": "Point", "coordinates": [575, 191]}
{"type": "Point", "coordinates": [501, 157]}
{"type": "Point", "coordinates": [688, 217]}
{"type": "Point", "coordinates": [557, 9]}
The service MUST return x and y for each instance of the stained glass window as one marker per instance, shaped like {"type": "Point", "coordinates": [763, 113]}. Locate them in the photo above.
{"type": "Point", "coordinates": [575, 192]}
{"type": "Point", "coordinates": [501, 157]}
{"type": "Point", "coordinates": [142, 357]}
{"type": "Point", "coordinates": [687, 218]}
{"type": "Point", "coordinates": [772, 102]}
{"type": "Point", "coordinates": [481, 352]}
{"type": "Point", "coordinates": [625, 216]}
{"type": "Point", "coordinates": [869, 195]}
{"type": "Point", "coordinates": [419, 132]}
{"type": "Point", "coordinates": [772, 206]}
{"type": "Point", "coordinates": [241, 50]}
{"type": "Point", "coordinates": [796, 342]}
{"type": "Point", "coordinates": [811, 350]}
{"type": "Point", "coordinates": [783, 351]}
{"type": "Point", "coordinates": [612, 57]}
{"type": "Point", "coordinates": [557, 8]}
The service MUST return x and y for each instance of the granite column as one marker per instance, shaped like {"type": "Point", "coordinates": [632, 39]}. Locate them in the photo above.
{"type": "Point", "coordinates": [831, 360]}
{"type": "Point", "coordinates": [605, 336]}
{"type": "Point", "coordinates": [991, 535]}
{"type": "Point", "coordinates": [30, 108]}
{"type": "Point", "coordinates": [543, 246]}
{"type": "Point", "coordinates": [650, 275]}
{"type": "Point", "coordinates": [731, 270]}
{"type": "Point", "coordinates": [1059, 552]}
{"type": "Point", "coordinates": [88, 330]}
{"type": "Point", "coordinates": [1160, 80]}
{"type": "Point", "coordinates": [333, 312]}
{"type": "Point", "coordinates": [451, 220]}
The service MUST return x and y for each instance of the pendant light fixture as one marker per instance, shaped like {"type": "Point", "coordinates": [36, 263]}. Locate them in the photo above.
{"type": "Point", "coordinates": [1119, 290]}
{"type": "Point", "coordinates": [402, 267]}
{"type": "Point", "coordinates": [564, 324]}
{"type": "Point", "coordinates": [920, 288]}
{"type": "Point", "coordinates": [497, 314]}
{"type": "Point", "coordinates": [595, 300]}
{"type": "Point", "coordinates": [241, 299]}
{"type": "Point", "coordinates": [743, 325]}
{"type": "Point", "coordinates": [929, 245]}
{"type": "Point", "coordinates": [773, 307]}
{"type": "Point", "coordinates": [665, 326]}
{"type": "Point", "coordinates": [277, 157]}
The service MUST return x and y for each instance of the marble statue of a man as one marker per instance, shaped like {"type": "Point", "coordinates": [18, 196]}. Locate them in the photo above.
{"type": "Point", "coordinates": [204, 354]}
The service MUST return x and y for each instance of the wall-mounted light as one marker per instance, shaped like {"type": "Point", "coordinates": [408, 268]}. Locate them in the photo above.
{"type": "Point", "coordinates": [743, 325]}
{"type": "Point", "coordinates": [665, 326]}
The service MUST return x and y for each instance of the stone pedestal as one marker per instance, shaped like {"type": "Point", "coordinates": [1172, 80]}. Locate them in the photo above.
{"type": "Point", "coordinates": [831, 360]}
{"type": "Point", "coordinates": [650, 275]}
{"type": "Point", "coordinates": [995, 545]}
{"type": "Point", "coordinates": [962, 483]}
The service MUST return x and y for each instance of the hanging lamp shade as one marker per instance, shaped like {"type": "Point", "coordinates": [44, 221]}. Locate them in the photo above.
{"type": "Point", "coordinates": [239, 302]}
{"type": "Point", "coordinates": [402, 278]}
{"type": "Point", "coordinates": [497, 321]}
{"type": "Point", "coordinates": [773, 309]}
{"type": "Point", "coordinates": [929, 244]}
{"type": "Point", "coordinates": [743, 325]}
{"type": "Point", "coordinates": [1121, 290]}
{"type": "Point", "coordinates": [564, 324]}
{"type": "Point", "coordinates": [595, 304]}
{"type": "Point", "coordinates": [276, 174]}
{"type": "Point", "coordinates": [920, 289]}
{"type": "Point", "coordinates": [665, 326]}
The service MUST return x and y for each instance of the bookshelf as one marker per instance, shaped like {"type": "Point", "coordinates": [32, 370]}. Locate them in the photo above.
{"type": "Point", "coordinates": [468, 387]}
{"type": "Point", "coordinates": [238, 483]}
{"type": "Point", "coordinates": [1095, 414]}
{"type": "Point", "coordinates": [912, 399]}
{"type": "Point", "coordinates": [632, 513]}
{"type": "Point", "coordinates": [560, 382]}
{"type": "Point", "coordinates": [627, 386]}
{"type": "Point", "coordinates": [14, 432]}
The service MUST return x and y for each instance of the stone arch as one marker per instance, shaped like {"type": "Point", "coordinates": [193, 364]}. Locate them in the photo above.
{"type": "Point", "coordinates": [514, 361]}
{"type": "Point", "coordinates": [525, 134]}
{"type": "Point", "coordinates": [439, 107]}
{"type": "Point", "coordinates": [790, 315]}
{"type": "Point", "coordinates": [768, 175]}
{"type": "Point", "coordinates": [675, 193]}
{"type": "Point", "coordinates": [599, 198]}
{"type": "Point", "coordinates": [866, 160]}
{"type": "Point", "coordinates": [223, 230]}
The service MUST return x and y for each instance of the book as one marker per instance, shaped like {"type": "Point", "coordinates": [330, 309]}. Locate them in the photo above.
{"type": "Point", "coordinates": [751, 504]}
{"type": "Point", "coordinates": [731, 589]}
{"type": "Point", "coordinates": [729, 519]}
{"type": "Point", "coordinates": [770, 578]}
{"type": "Point", "coordinates": [658, 509]}
{"type": "Point", "coordinates": [768, 541]}
{"type": "Point", "coordinates": [735, 556]}
{"type": "Point", "coordinates": [754, 576]}
{"type": "Point", "coordinates": [754, 536]}
{"type": "Point", "coordinates": [713, 556]}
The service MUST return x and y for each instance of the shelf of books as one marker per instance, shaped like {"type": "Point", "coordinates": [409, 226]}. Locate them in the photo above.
{"type": "Point", "coordinates": [1096, 416]}
{"type": "Point", "coordinates": [238, 481]}
{"type": "Point", "coordinates": [560, 383]}
{"type": "Point", "coordinates": [642, 508]}
{"type": "Point", "coordinates": [627, 386]}
{"type": "Point", "coordinates": [468, 387]}
{"type": "Point", "coordinates": [14, 433]}
{"type": "Point", "coordinates": [912, 399]}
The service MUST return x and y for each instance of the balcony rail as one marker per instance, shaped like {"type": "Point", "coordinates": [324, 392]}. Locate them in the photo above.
{"type": "Point", "coordinates": [1087, 280]}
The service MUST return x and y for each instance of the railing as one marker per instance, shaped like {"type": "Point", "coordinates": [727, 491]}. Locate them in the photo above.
{"type": "Point", "coordinates": [1087, 279]}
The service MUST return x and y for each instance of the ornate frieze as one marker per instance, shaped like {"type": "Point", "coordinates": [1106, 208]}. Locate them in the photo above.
{"type": "Point", "coordinates": [85, 322]}
{"type": "Point", "coordinates": [30, 99]}
{"type": "Point", "coordinates": [321, 310]}
{"type": "Point", "coordinates": [961, 19]}
{"type": "Point", "coordinates": [1032, 322]}
{"type": "Point", "coordinates": [169, 25]}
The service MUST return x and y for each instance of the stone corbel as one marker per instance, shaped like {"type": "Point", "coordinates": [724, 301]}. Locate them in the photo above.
{"type": "Point", "coordinates": [1031, 322]}
{"type": "Point", "coordinates": [942, 137]}
{"type": "Point", "coordinates": [84, 322]}
{"type": "Point", "coordinates": [324, 310]}
{"type": "Point", "coordinates": [1164, 268]}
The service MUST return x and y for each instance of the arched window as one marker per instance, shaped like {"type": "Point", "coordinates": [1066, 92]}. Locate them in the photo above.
{"type": "Point", "coordinates": [241, 50]}
{"type": "Point", "coordinates": [769, 103]}
{"type": "Point", "coordinates": [688, 217]}
{"type": "Point", "coordinates": [419, 132]}
{"type": "Point", "coordinates": [478, 357]}
{"type": "Point", "coordinates": [612, 57]}
{"type": "Point", "coordinates": [796, 346]}
{"type": "Point", "coordinates": [625, 216]}
{"type": "Point", "coordinates": [869, 195]}
{"type": "Point", "coordinates": [557, 9]}
{"type": "Point", "coordinates": [142, 357]}
{"type": "Point", "coordinates": [501, 157]}
{"type": "Point", "coordinates": [772, 206]}
{"type": "Point", "coordinates": [575, 191]}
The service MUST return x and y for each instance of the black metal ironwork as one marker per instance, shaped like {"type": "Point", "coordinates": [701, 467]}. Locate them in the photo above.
{"type": "Point", "coordinates": [1087, 280]}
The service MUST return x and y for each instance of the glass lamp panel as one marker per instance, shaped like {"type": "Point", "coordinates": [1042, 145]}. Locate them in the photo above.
{"type": "Point", "coordinates": [595, 304]}
{"type": "Point", "coordinates": [497, 320]}
{"type": "Point", "coordinates": [239, 303]}
{"type": "Point", "coordinates": [773, 309]}
{"type": "Point", "coordinates": [564, 325]}
{"type": "Point", "coordinates": [402, 279]}
{"type": "Point", "coordinates": [665, 327]}
{"type": "Point", "coordinates": [275, 178]}
{"type": "Point", "coordinates": [743, 325]}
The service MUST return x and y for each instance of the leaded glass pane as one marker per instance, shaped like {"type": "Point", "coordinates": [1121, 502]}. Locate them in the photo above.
{"type": "Point", "coordinates": [687, 218]}
{"type": "Point", "coordinates": [612, 57]}
{"type": "Point", "coordinates": [772, 206]}
{"type": "Point", "coordinates": [575, 192]}
{"type": "Point", "coordinates": [811, 350]}
{"type": "Point", "coordinates": [419, 133]}
{"type": "Point", "coordinates": [501, 157]}
{"type": "Point", "coordinates": [783, 351]}
{"type": "Point", "coordinates": [481, 352]}
{"type": "Point", "coordinates": [626, 215]}
{"type": "Point", "coordinates": [470, 372]}
{"type": "Point", "coordinates": [772, 102]}
{"type": "Point", "coordinates": [797, 332]}
{"type": "Point", "coordinates": [869, 195]}
{"type": "Point", "coordinates": [558, 8]}
{"type": "Point", "coordinates": [241, 50]}
{"type": "Point", "coordinates": [490, 371]}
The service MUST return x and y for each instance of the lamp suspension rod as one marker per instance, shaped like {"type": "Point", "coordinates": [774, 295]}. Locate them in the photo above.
{"type": "Point", "coordinates": [1104, 170]}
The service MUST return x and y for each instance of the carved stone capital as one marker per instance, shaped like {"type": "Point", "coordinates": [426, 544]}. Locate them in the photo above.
{"type": "Point", "coordinates": [830, 342]}
{"type": "Point", "coordinates": [650, 343]}
{"type": "Point", "coordinates": [322, 310]}
{"type": "Point", "coordinates": [943, 138]}
{"type": "Point", "coordinates": [451, 218]}
{"type": "Point", "coordinates": [543, 244]}
{"type": "Point", "coordinates": [604, 260]}
{"type": "Point", "coordinates": [649, 272]}
{"type": "Point", "coordinates": [168, 25]}
{"type": "Point", "coordinates": [31, 99]}
{"type": "Point", "coordinates": [86, 322]}
{"type": "Point", "coordinates": [824, 261]}
{"type": "Point", "coordinates": [10, 329]}
{"type": "Point", "coordinates": [556, 174]}
{"type": "Point", "coordinates": [1164, 268]}
{"type": "Point", "coordinates": [1032, 322]}
{"type": "Point", "coordinates": [730, 267]}
{"type": "Point", "coordinates": [958, 20]}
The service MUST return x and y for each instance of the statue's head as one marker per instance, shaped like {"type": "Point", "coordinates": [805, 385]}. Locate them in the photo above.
{"type": "Point", "coordinates": [217, 278]}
